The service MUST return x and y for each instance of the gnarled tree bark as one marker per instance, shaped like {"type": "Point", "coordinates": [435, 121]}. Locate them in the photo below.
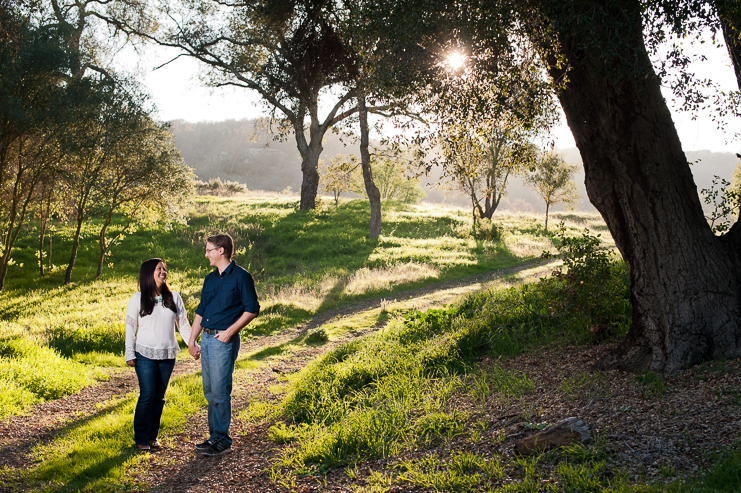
{"type": "Point", "coordinates": [685, 287]}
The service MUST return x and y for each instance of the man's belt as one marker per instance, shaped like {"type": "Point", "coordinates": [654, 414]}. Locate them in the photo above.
{"type": "Point", "coordinates": [212, 331]}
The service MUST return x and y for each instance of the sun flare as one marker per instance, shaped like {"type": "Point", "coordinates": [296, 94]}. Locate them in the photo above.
{"type": "Point", "coordinates": [456, 60]}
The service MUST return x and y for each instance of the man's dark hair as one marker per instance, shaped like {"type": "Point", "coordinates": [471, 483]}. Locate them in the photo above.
{"type": "Point", "coordinates": [223, 241]}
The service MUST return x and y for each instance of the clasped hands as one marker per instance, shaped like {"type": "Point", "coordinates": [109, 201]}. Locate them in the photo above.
{"type": "Point", "coordinates": [195, 351]}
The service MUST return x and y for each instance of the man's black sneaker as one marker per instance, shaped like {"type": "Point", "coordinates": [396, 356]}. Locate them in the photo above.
{"type": "Point", "coordinates": [204, 446]}
{"type": "Point", "coordinates": [217, 449]}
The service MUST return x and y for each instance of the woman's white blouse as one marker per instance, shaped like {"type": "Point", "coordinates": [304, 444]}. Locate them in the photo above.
{"type": "Point", "coordinates": [155, 337]}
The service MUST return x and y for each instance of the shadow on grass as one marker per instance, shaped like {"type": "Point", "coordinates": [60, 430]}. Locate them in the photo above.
{"type": "Point", "coordinates": [70, 341]}
{"type": "Point", "coordinates": [277, 317]}
{"type": "Point", "coordinates": [48, 470]}
{"type": "Point", "coordinates": [84, 453]}
{"type": "Point", "coordinates": [270, 351]}
{"type": "Point", "coordinates": [416, 289]}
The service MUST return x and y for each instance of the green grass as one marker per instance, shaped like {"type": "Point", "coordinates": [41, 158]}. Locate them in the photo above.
{"type": "Point", "coordinates": [55, 338]}
{"type": "Point", "coordinates": [462, 471]}
{"type": "Point", "coordinates": [92, 452]}
{"type": "Point", "coordinates": [725, 475]}
{"type": "Point", "coordinates": [387, 392]}
{"type": "Point", "coordinates": [304, 263]}
{"type": "Point", "coordinates": [31, 373]}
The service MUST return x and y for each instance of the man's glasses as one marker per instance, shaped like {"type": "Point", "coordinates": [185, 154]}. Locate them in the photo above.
{"type": "Point", "coordinates": [212, 249]}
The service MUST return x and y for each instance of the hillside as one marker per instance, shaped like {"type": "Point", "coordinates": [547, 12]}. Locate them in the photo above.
{"type": "Point", "coordinates": [233, 150]}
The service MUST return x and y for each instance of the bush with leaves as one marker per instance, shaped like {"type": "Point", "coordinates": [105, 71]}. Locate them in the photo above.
{"type": "Point", "coordinates": [725, 200]}
{"type": "Point", "coordinates": [342, 174]}
{"type": "Point", "coordinates": [594, 287]}
{"type": "Point", "coordinates": [394, 174]}
{"type": "Point", "coordinates": [486, 229]}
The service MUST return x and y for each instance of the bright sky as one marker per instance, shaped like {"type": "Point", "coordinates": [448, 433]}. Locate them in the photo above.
{"type": "Point", "coordinates": [178, 94]}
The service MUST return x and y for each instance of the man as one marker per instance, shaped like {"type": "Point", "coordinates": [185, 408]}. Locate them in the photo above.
{"type": "Point", "coordinates": [228, 304]}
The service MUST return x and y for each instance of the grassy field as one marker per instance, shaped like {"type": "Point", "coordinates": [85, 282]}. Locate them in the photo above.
{"type": "Point", "coordinates": [303, 264]}
{"type": "Point", "coordinates": [376, 396]}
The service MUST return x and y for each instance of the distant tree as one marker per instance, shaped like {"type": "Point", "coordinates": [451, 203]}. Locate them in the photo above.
{"type": "Point", "coordinates": [485, 121]}
{"type": "Point", "coordinates": [109, 117]}
{"type": "Point", "coordinates": [552, 179]}
{"type": "Point", "coordinates": [33, 116]}
{"type": "Point", "coordinates": [481, 165]}
{"type": "Point", "coordinates": [395, 174]}
{"type": "Point", "coordinates": [290, 53]}
{"type": "Point", "coordinates": [340, 175]}
{"type": "Point", "coordinates": [144, 178]}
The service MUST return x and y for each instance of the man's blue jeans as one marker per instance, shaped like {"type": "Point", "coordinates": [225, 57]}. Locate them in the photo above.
{"type": "Point", "coordinates": [217, 368]}
{"type": "Point", "coordinates": [153, 375]}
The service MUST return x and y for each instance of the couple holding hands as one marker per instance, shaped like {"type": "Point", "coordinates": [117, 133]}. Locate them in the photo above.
{"type": "Point", "coordinates": [228, 303]}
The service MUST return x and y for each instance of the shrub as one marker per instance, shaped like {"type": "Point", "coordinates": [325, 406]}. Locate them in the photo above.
{"type": "Point", "coordinates": [593, 290]}
{"type": "Point", "coordinates": [486, 229]}
{"type": "Point", "coordinates": [317, 335]}
{"type": "Point", "coordinates": [215, 186]}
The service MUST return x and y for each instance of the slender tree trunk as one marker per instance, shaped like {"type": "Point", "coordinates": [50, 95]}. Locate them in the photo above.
{"type": "Point", "coordinates": [685, 288]}
{"type": "Point", "coordinates": [103, 244]}
{"type": "Point", "coordinates": [374, 195]}
{"type": "Point", "coordinates": [547, 208]}
{"type": "Point", "coordinates": [75, 246]}
{"type": "Point", "coordinates": [45, 209]}
{"type": "Point", "coordinates": [42, 236]}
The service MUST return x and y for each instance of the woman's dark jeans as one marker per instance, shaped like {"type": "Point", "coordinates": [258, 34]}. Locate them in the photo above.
{"type": "Point", "coordinates": [153, 375]}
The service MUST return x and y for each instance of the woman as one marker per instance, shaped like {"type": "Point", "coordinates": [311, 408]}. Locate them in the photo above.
{"type": "Point", "coordinates": [151, 346]}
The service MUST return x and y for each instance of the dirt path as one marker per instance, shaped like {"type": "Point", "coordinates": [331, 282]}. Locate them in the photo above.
{"type": "Point", "coordinates": [179, 469]}
{"type": "Point", "coordinates": [176, 467]}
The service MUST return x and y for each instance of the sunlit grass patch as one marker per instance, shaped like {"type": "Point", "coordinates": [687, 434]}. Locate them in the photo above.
{"type": "Point", "coordinates": [462, 471]}
{"type": "Point", "coordinates": [377, 422]}
{"type": "Point", "coordinates": [39, 370]}
{"type": "Point", "coordinates": [15, 399]}
{"type": "Point", "coordinates": [527, 245]}
{"type": "Point", "coordinates": [299, 296]}
{"type": "Point", "coordinates": [367, 280]}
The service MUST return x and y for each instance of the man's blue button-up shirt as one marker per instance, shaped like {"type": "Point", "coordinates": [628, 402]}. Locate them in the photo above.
{"type": "Point", "coordinates": [226, 296]}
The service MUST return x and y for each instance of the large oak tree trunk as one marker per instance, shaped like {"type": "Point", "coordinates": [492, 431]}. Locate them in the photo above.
{"type": "Point", "coordinates": [685, 286]}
